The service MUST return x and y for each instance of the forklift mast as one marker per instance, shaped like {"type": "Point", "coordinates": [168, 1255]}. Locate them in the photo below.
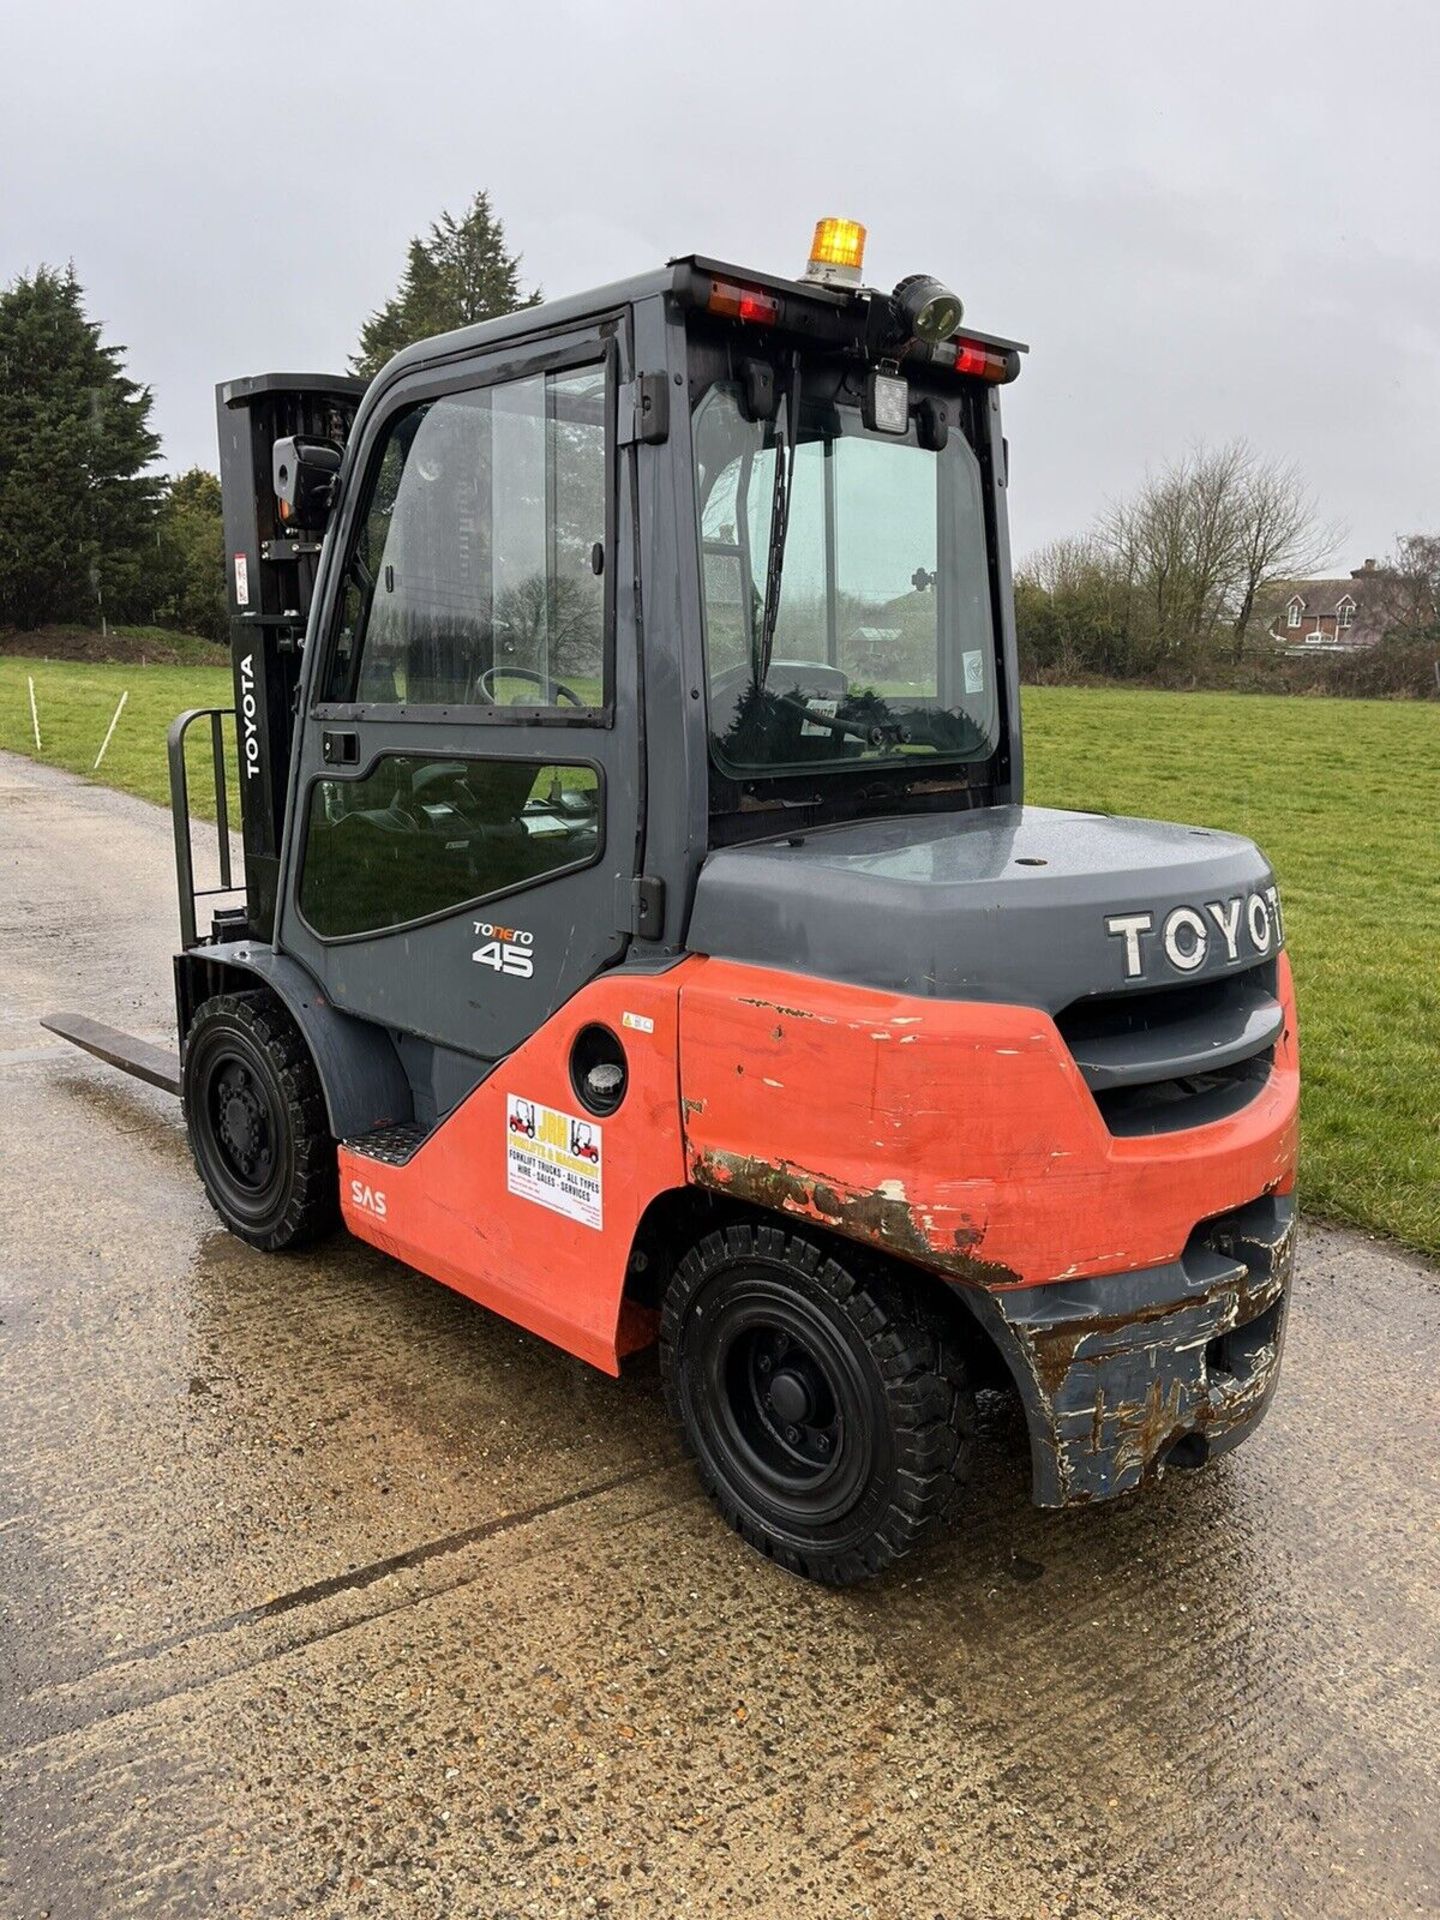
{"type": "Point", "coordinates": [270, 580]}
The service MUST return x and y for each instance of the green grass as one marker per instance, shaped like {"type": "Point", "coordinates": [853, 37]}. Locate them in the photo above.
{"type": "Point", "coordinates": [76, 700]}
{"type": "Point", "coordinates": [180, 649]}
{"type": "Point", "coordinates": [1343, 795]}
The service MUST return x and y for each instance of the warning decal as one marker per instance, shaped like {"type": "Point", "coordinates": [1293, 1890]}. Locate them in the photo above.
{"type": "Point", "coordinates": [553, 1158]}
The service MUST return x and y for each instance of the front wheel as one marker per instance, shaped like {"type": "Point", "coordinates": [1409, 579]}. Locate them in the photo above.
{"type": "Point", "coordinates": [829, 1414]}
{"type": "Point", "coordinates": [256, 1118]}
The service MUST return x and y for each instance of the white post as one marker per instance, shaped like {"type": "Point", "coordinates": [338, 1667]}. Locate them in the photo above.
{"type": "Point", "coordinates": [34, 713]}
{"type": "Point", "coordinates": [109, 730]}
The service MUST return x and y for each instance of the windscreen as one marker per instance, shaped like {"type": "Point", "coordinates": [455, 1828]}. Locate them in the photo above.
{"type": "Point", "coordinates": [883, 647]}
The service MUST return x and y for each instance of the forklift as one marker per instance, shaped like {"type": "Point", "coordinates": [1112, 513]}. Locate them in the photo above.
{"type": "Point", "coordinates": [643, 931]}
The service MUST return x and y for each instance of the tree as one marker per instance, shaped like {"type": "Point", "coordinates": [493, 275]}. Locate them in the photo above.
{"type": "Point", "coordinates": [1200, 541]}
{"type": "Point", "coordinates": [76, 506]}
{"type": "Point", "coordinates": [1173, 574]}
{"type": "Point", "coordinates": [460, 274]}
{"type": "Point", "coordinates": [556, 621]}
{"type": "Point", "coordinates": [1414, 580]}
{"type": "Point", "coordinates": [190, 543]}
{"type": "Point", "coordinates": [1280, 538]}
{"type": "Point", "coordinates": [1072, 603]}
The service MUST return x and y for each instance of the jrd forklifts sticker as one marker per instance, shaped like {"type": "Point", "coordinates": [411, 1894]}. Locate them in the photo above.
{"type": "Point", "coordinates": [553, 1158]}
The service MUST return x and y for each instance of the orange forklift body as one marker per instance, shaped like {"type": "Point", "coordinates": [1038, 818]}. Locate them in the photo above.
{"type": "Point", "coordinates": [804, 1097]}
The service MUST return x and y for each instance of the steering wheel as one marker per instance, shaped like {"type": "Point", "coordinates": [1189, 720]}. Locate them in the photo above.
{"type": "Point", "coordinates": [555, 690]}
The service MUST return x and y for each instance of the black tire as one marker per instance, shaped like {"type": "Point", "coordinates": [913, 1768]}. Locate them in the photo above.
{"type": "Point", "coordinates": [863, 1452]}
{"type": "Point", "coordinates": [257, 1124]}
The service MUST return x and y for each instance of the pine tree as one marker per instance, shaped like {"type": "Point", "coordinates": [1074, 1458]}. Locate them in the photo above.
{"type": "Point", "coordinates": [459, 275]}
{"type": "Point", "coordinates": [77, 509]}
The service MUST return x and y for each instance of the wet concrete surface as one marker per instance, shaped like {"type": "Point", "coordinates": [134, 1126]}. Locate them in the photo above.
{"type": "Point", "coordinates": [323, 1591]}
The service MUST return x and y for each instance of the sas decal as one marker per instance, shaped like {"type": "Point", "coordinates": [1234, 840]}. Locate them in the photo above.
{"type": "Point", "coordinates": [553, 1158]}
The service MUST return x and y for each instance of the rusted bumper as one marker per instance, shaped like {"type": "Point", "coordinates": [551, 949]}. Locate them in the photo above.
{"type": "Point", "coordinates": [1127, 1373]}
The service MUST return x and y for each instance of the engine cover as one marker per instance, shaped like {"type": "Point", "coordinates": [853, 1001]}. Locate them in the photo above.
{"type": "Point", "coordinates": [1025, 905]}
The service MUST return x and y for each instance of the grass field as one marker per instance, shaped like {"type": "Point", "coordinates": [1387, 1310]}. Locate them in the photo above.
{"type": "Point", "coordinates": [75, 701]}
{"type": "Point", "coordinates": [1343, 795]}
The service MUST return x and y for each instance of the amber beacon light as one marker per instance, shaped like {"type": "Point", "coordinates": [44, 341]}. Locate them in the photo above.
{"type": "Point", "coordinates": [837, 253]}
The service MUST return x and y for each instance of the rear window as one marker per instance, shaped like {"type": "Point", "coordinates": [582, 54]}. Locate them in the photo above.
{"type": "Point", "coordinates": [884, 640]}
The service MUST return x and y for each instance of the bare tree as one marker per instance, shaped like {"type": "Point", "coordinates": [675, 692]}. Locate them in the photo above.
{"type": "Point", "coordinates": [1414, 572]}
{"type": "Point", "coordinates": [1203, 538]}
{"type": "Point", "coordinates": [1177, 569]}
{"type": "Point", "coordinates": [1280, 537]}
{"type": "Point", "coordinates": [1152, 539]}
{"type": "Point", "coordinates": [1072, 605]}
{"type": "Point", "coordinates": [1213, 520]}
{"type": "Point", "coordinates": [1064, 565]}
{"type": "Point", "coordinates": [551, 623]}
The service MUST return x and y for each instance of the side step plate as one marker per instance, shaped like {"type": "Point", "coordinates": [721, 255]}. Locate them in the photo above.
{"type": "Point", "coordinates": [141, 1058]}
{"type": "Point", "coordinates": [392, 1145]}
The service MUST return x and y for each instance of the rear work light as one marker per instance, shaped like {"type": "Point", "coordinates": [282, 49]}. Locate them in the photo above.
{"type": "Point", "coordinates": [995, 364]}
{"type": "Point", "coordinates": [743, 303]}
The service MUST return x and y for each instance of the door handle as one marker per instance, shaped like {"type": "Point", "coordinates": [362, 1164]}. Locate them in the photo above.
{"type": "Point", "coordinates": [340, 749]}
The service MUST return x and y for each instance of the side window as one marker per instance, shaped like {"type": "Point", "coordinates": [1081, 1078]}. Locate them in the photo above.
{"type": "Point", "coordinates": [475, 576]}
{"type": "Point", "coordinates": [419, 836]}
{"type": "Point", "coordinates": [728, 621]}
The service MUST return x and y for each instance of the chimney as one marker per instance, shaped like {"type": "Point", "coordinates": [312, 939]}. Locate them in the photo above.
{"type": "Point", "coordinates": [1359, 573]}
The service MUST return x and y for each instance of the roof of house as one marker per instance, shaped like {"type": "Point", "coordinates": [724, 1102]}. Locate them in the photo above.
{"type": "Point", "coordinates": [1370, 589]}
{"type": "Point", "coordinates": [1318, 596]}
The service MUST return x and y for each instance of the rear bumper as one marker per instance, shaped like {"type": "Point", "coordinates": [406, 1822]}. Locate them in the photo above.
{"type": "Point", "coordinates": [1125, 1373]}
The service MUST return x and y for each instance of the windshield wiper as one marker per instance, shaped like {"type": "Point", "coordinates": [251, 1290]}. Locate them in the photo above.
{"type": "Point", "coordinates": [871, 733]}
{"type": "Point", "coordinates": [779, 525]}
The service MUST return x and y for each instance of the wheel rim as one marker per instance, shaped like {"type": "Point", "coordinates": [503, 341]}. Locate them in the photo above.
{"type": "Point", "coordinates": [241, 1137]}
{"type": "Point", "coordinates": [243, 1123]}
{"type": "Point", "coordinates": [787, 1396]}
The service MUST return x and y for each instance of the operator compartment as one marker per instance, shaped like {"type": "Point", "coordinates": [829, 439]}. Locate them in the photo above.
{"type": "Point", "coordinates": [847, 468]}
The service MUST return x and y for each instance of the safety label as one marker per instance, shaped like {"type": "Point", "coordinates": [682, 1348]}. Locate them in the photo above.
{"type": "Point", "coordinates": [242, 580]}
{"type": "Point", "coordinates": [974, 671]}
{"type": "Point", "coordinates": [553, 1158]}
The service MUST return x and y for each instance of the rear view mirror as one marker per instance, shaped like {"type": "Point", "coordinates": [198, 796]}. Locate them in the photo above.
{"type": "Point", "coordinates": [307, 475]}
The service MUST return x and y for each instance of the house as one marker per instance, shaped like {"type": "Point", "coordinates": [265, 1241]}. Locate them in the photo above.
{"type": "Point", "coordinates": [874, 649]}
{"type": "Point", "coordinates": [1333, 616]}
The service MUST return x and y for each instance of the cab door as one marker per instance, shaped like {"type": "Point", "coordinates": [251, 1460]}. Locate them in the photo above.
{"type": "Point", "coordinates": [464, 822]}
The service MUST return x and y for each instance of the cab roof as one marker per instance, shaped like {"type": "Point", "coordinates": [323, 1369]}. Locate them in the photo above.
{"type": "Point", "coordinates": [677, 278]}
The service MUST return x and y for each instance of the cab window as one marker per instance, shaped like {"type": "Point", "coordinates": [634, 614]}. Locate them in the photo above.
{"type": "Point", "coordinates": [416, 836]}
{"type": "Point", "coordinates": [475, 576]}
{"type": "Point", "coordinates": [883, 644]}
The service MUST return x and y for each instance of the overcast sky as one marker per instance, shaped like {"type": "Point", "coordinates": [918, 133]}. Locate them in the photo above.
{"type": "Point", "coordinates": [1207, 220]}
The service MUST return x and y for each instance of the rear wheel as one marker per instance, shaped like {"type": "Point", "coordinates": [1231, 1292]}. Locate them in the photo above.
{"type": "Point", "coordinates": [257, 1123]}
{"type": "Point", "coordinates": [828, 1412]}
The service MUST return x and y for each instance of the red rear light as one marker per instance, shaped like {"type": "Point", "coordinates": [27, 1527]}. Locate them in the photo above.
{"type": "Point", "coordinates": [743, 303]}
{"type": "Point", "coordinates": [996, 364]}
